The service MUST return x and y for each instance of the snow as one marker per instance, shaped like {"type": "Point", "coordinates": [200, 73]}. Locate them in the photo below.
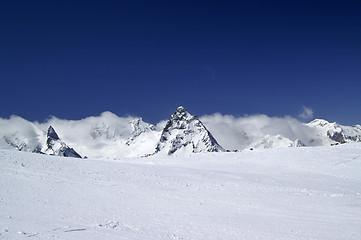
{"type": "Point", "coordinates": [285, 193]}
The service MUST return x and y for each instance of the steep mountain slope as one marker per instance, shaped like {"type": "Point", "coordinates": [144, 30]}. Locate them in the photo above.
{"type": "Point", "coordinates": [335, 133]}
{"type": "Point", "coordinates": [186, 133]}
{"type": "Point", "coordinates": [54, 146]}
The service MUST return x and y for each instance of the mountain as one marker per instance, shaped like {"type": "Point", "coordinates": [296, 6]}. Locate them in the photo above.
{"type": "Point", "coordinates": [114, 137]}
{"type": "Point", "coordinates": [186, 133]}
{"type": "Point", "coordinates": [111, 136]}
{"type": "Point", "coordinates": [139, 127]}
{"type": "Point", "coordinates": [20, 134]}
{"type": "Point", "coordinates": [103, 136]}
{"type": "Point", "coordinates": [324, 133]}
{"type": "Point", "coordinates": [21, 144]}
{"type": "Point", "coordinates": [54, 146]}
{"type": "Point", "coordinates": [277, 141]}
{"type": "Point", "coordinates": [334, 133]}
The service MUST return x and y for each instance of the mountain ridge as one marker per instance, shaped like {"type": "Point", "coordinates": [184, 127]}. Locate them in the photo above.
{"type": "Point", "coordinates": [337, 132]}
{"type": "Point", "coordinates": [116, 137]}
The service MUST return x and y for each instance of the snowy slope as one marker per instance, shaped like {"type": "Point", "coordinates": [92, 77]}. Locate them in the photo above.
{"type": "Point", "coordinates": [289, 193]}
{"type": "Point", "coordinates": [186, 133]}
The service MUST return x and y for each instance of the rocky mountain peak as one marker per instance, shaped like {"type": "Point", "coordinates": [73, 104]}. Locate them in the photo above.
{"type": "Point", "coordinates": [181, 114]}
{"type": "Point", "coordinates": [186, 132]}
{"type": "Point", "coordinates": [324, 123]}
{"type": "Point", "coordinates": [54, 146]}
{"type": "Point", "coordinates": [52, 134]}
{"type": "Point", "coordinates": [139, 127]}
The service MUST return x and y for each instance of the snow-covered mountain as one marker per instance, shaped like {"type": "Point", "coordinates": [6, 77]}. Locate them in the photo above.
{"type": "Point", "coordinates": [106, 136]}
{"type": "Point", "coordinates": [333, 133]}
{"type": "Point", "coordinates": [324, 134]}
{"type": "Point", "coordinates": [139, 127]}
{"type": "Point", "coordinates": [111, 136]}
{"type": "Point", "coordinates": [54, 146]}
{"type": "Point", "coordinates": [277, 141]}
{"type": "Point", "coordinates": [20, 134]}
{"type": "Point", "coordinates": [34, 140]}
{"type": "Point", "coordinates": [21, 144]}
{"type": "Point", "coordinates": [186, 133]}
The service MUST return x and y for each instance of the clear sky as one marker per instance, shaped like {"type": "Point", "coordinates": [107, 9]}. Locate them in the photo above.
{"type": "Point", "coordinates": [74, 59]}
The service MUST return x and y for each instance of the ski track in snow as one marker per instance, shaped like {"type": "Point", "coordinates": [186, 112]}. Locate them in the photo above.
{"type": "Point", "coordinates": [292, 193]}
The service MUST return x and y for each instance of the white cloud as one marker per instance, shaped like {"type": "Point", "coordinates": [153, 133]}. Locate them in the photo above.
{"type": "Point", "coordinates": [240, 133]}
{"type": "Point", "coordinates": [20, 132]}
{"type": "Point", "coordinates": [99, 136]}
{"type": "Point", "coordinates": [306, 113]}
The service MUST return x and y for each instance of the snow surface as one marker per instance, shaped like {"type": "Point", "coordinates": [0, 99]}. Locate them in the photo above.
{"type": "Point", "coordinates": [287, 193]}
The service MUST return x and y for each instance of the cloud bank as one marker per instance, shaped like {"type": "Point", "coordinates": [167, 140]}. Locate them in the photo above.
{"type": "Point", "coordinates": [97, 136]}
{"type": "Point", "coordinates": [240, 133]}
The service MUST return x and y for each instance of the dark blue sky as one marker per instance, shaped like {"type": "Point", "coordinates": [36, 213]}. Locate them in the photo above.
{"type": "Point", "coordinates": [73, 59]}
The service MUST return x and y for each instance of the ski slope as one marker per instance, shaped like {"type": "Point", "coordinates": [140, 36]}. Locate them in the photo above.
{"type": "Point", "coordinates": [288, 193]}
